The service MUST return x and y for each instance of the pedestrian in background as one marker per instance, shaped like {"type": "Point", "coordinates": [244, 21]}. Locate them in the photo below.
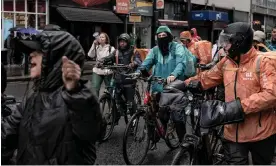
{"type": "Point", "coordinates": [100, 49]}
{"type": "Point", "coordinates": [271, 44]}
{"type": "Point", "coordinates": [194, 34]}
{"type": "Point", "coordinates": [259, 41]}
{"type": "Point", "coordinates": [9, 44]}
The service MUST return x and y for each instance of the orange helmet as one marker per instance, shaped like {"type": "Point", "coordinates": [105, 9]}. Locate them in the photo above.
{"type": "Point", "coordinates": [185, 35]}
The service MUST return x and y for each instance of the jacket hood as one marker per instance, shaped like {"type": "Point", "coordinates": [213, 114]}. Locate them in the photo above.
{"type": "Point", "coordinates": [163, 29]}
{"type": "Point", "coordinates": [195, 32]}
{"type": "Point", "coordinates": [54, 45]}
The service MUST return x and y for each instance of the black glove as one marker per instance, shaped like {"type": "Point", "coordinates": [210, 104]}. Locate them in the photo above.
{"type": "Point", "coordinates": [214, 113]}
{"type": "Point", "coordinates": [195, 86]}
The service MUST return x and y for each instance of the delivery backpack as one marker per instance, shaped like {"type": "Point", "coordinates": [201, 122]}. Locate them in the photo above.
{"type": "Point", "coordinates": [205, 48]}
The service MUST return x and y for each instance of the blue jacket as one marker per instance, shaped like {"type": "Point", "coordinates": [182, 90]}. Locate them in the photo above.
{"type": "Point", "coordinates": [164, 66]}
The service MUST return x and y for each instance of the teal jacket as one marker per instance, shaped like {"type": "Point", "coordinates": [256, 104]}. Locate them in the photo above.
{"type": "Point", "coordinates": [172, 64]}
{"type": "Point", "coordinates": [270, 46]}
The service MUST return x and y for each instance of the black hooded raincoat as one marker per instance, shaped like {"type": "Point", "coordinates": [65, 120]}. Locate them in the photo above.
{"type": "Point", "coordinates": [53, 125]}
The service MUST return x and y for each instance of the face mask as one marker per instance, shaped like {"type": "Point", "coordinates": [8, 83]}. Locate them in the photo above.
{"type": "Point", "coordinates": [163, 44]}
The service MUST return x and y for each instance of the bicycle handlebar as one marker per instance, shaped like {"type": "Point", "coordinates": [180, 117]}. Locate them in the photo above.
{"type": "Point", "coordinates": [149, 79]}
{"type": "Point", "coordinates": [114, 67]}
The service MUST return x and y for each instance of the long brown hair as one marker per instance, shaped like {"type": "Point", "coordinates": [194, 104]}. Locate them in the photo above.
{"type": "Point", "coordinates": [107, 40]}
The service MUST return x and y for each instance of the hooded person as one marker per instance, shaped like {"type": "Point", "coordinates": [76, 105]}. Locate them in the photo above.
{"type": "Point", "coordinates": [194, 34]}
{"type": "Point", "coordinates": [125, 55]}
{"type": "Point", "coordinates": [202, 49]}
{"type": "Point", "coordinates": [168, 58]}
{"type": "Point", "coordinates": [259, 41]}
{"type": "Point", "coordinates": [58, 122]}
{"type": "Point", "coordinates": [248, 113]}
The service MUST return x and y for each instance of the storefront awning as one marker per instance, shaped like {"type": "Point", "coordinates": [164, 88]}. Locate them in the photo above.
{"type": "Point", "coordinates": [173, 23]}
{"type": "Point", "coordinates": [88, 15]}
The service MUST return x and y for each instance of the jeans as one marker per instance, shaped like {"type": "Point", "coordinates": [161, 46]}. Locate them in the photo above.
{"type": "Point", "coordinates": [97, 81]}
{"type": "Point", "coordinates": [262, 151]}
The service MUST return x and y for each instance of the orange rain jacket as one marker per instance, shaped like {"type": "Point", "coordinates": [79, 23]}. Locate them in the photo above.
{"type": "Point", "coordinates": [201, 49]}
{"type": "Point", "coordinates": [257, 91]}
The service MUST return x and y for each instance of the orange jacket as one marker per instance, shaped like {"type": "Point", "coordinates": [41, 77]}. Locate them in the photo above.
{"type": "Point", "coordinates": [201, 51]}
{"type": "Point", "coordinates": [257, 92]}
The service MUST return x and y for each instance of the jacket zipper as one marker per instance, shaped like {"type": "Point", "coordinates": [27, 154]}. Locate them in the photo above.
{"type": "Point", "coordinates": [235, 91]}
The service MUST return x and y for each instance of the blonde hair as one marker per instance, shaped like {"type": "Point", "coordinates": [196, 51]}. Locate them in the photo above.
{"type": "Point", "coordinates": [107, 40]}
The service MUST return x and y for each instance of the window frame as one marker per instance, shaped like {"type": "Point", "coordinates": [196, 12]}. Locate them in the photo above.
{"type": "Point", "coordinates": [26, 13]}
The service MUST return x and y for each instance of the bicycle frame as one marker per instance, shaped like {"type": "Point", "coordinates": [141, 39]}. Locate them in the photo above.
{"type": "Point", "coordinates": [198, 142]}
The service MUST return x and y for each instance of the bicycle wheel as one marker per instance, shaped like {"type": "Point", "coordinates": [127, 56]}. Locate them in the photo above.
{"type": "Point", "coordinates": [136, 154]}
{"type": "Point", "coordinates": [182, 157]}
{"type": "Point", "coordinates": [137, 101]}
{"type": "Point", "coordinates": [171, 139]}
{"type": "Point", "coordinates": [109, 113]}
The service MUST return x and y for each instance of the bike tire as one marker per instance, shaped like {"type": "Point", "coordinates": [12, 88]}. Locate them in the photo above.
{"type": "Point", "coordinates": [137, 99]}
{"type": "Point", "coordinates": [182, 157]}
{"type": "Point", "coordinates": [106, 98]}
{"type": "Point", "coordinates": [126, 134]}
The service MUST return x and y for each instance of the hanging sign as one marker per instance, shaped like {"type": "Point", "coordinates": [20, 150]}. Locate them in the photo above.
{"type": "Point", "coordinates": [135, 17]}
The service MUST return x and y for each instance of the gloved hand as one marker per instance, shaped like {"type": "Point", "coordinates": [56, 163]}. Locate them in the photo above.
{"type": "Point", "coordinates": [195, 86]}
{"type": "Point", "coordinates": [170, 79]}
{"type": "Point", "coordinates": [214, 113]}
{"type": "Point", "coordinates": [136, 75]}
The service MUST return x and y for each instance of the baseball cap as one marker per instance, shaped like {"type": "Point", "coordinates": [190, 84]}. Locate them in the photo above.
{"type": "Point", "coordinates": [259, 36]}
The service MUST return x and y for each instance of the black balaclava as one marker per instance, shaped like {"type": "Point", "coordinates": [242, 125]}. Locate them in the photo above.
{"type": "Point", "coordinates": [163, 44]}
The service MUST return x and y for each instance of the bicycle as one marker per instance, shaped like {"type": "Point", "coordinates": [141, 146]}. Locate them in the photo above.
{"type": "Point", "coordinates": [201, 146]}
{"type": "Point", "coordinates": [109, 97]}
{"type": "Point", "coordinates": [153, 128]}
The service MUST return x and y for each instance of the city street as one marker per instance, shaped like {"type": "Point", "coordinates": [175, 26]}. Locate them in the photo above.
{"type": "Point", "coordinates": [109, 152]}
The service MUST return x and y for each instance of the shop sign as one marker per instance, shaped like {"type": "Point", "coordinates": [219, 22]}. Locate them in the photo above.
{"type": "Point", "coordinates": [202, 15]}
{"type": "Point", "coordinates": [122, 6]}
{"type": "Point", "coordinates": [160, 4]}
{"type": "Point", "coordinates": [142, 7]}
{"type": "Point", "coordinates": [135, 17]}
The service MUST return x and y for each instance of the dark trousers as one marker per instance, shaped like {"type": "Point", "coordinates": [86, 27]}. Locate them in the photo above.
{"type": "Point", "coordinates": [262, 152]}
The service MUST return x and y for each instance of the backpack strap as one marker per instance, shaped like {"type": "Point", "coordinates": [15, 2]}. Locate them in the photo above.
{"type": "Point", "coordinates": [117, 57]}
{"type": "Point", "coordinates": [109, 49]}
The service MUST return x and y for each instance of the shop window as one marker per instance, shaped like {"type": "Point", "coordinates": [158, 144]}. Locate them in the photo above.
{"type": "Point", "coordinates": [41, 21]}
{"type": "Point", "coordinates": [31, 20]}
{"type": "Point", "coordinates": [20, 20]}
{"type": "Point", "coordinates": [20, 5]}
{"type": "Point", "coordinates": [8, 5]}
{"type": "Point", "coordinates": [31, 6]}
{"type": "Point", "coordinates": [23, 13]}
{"type": "Point", "coordinates": [41, 6]}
